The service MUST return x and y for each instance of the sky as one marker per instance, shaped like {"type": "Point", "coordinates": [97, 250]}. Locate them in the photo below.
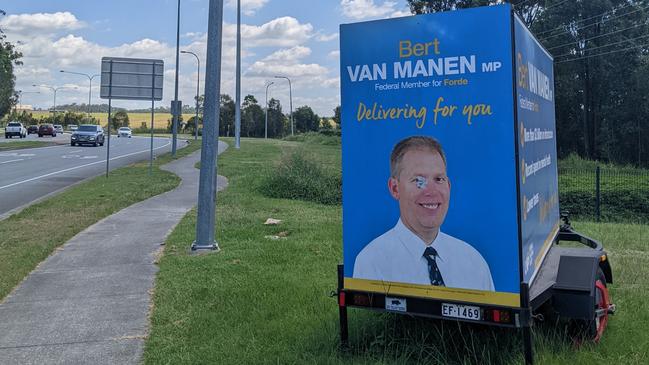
{"type": "Point", "coordinates": [293, 38]}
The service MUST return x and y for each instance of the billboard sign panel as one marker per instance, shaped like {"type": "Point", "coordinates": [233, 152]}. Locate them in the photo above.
{"type": "Point", "coordinates": [446, 76]}
{"type": "Point", "coordinates": [131, 78]}
{"type": "Point", "coordinates": [536, 138]}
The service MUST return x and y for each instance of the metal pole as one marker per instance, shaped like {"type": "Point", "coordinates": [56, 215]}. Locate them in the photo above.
{"type": "Point", "coordinates": [597, 193]}
{"type": "Point", "coordinates": [526, 331]}
{"type": "Point", "coordinates": [206, 211]}
{"type": "Point", "coordinates": [152, 117]}
{"type": "Point", "coordinates": [342, 310]}
{"type": "Point", "coordinates": [110, 94]}
{"type": "Point", "coordinates": [290, 98]}
{"type": "Point", "coordinates": [198, 83]}
{"type": "Point", "coordinates": [237, 107]}
{"type": "Point", "coordinates": [266, 122]}
{"type": "Point", "coordinates": [174, 126]}
{"type": "Point", "coordinates": [54, 108]}
{"type": "Point", "coordinates": [90, 87]}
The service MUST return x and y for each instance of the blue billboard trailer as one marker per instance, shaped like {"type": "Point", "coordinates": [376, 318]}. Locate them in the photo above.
{"type": "Point", "coordinates": [450, 194]}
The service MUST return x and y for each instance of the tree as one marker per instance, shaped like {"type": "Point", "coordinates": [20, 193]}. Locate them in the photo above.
{"type": "Point", "coordinates": [305, 119]}
{"type": "Point", "coordinates": [226, 116]}
{"type": "Point", "coordinates": [252, 118]}
{"type": "Point", "coordinates": [336, 117]}
{"type": "Point", "coordinates": [600, 56]}
{"type": "Point", "coordinates": [190, 126]}
{"type": "Point", "coordinates": [9, 58]}
{"type": "Point", "coordinates": [119, 119]}
{"type": "Point", "coordinates": [277, 121]}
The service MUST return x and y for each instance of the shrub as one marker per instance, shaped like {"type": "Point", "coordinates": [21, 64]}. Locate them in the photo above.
{"type": "Point", "coordinates": [300, 177]}
{"type": "Point", "coordinates": [315, 138]}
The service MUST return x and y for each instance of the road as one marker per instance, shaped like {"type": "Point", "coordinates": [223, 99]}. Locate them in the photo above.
{"type": "Point", "coordinates": [30, 174]}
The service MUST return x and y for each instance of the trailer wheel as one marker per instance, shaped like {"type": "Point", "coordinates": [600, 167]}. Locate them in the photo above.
{"type": "Point", "coordinates": [597, 326]}
{"type": "Point", "coordinates": [593, 329]}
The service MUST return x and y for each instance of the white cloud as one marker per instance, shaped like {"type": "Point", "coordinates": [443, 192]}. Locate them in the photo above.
{"type": "Point", "coordinates": [289, 55]}
{"type": "Point", "coordinates": [248, 7]}
{"type": "Point", "coordinates": [364, 9]}
{"type": "Point", "coordinates": [40, 23]}
{"type": "Point", "coordinates": [327, 38]}
{"type": "Point", "coordinates": [334, 54]}
{"type": "Point", "coordinates": [287, 62]}
{"type": "Point", "coordinates": [280, 32]}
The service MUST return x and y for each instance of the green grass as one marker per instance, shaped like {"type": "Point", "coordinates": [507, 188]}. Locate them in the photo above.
{"type": "Point", "coordinates": [265, 301]}
{"type": "Point", "coordinates": [28, 237]}
{"type": "Point", "coordinates": [8, 146]}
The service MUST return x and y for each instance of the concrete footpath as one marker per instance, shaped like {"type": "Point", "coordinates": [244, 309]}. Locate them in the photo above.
{"type": "Point", "coordinates": [88, 303]}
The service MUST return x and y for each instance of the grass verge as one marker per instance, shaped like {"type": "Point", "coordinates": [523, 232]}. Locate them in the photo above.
{"type": "Point", "coordinates": [8, 146]}
{"type": "Point", "coordinates": [28, 237]}
{"type": "Point", "coordinates": [264, 300]}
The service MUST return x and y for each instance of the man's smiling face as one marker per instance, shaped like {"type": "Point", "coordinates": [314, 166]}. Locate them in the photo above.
{"type": "Point", "coordinates": [423, 191]}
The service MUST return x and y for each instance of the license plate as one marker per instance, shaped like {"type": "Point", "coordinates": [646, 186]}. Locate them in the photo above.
{"type": "Point", "coordinates": [461, 311]}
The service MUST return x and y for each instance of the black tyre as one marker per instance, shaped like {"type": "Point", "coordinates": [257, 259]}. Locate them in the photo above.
{"type": "Point", "coordinates": [593, 329]}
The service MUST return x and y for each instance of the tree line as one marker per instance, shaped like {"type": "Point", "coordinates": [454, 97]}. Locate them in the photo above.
{"type": "Point", "coordinates": [601, 63]}
{"type": "Point", "coordinates": [255, 124]}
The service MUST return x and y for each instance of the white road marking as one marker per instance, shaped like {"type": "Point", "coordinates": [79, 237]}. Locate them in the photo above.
{"type": "Point", "coordinates": [16, 154]}
{"type": "Point", "coordinates": [20, 159]}
{"type": "Point", "coordinates": [78, 167]}
{"type": "Point", "coordinates": [89, 157]}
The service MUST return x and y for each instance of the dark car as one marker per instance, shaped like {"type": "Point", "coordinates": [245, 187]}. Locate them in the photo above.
{"type": "Point", "coordinates": [88, 134]}
{"type": "Point", "coordinates": [32, 129]}
{"type": "Point", "coordinates": [46, 129]}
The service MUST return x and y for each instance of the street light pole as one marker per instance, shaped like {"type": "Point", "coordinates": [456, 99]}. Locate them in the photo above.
{"type": "Point", "coordinates": [54, 89]}
{"type": "Point", "coordinates": [290, 98]}
{"type": "Point", "coordinates": [266, 123]}
{"type": "Point", "coordinates": [174, 127]}
{"type": "Point", "coordinates": [237, 107]}
{"type": "Point", "coordinates": [89, 87]}
{"type": "Point", "coordinates": [198, 83]}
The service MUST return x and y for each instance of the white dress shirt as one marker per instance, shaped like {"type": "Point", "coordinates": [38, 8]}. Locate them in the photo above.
{"type": "Point", "coordinates": [397, 256]}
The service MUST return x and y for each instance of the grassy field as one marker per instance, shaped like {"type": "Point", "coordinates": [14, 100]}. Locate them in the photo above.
{"type": "Point", "coordinates": [7, 146]}
{"type": "Point", "coordinates": [264, 299]}
{"type": "Point", "coordinates": [135, 119]}
{"type": "Point", "coordinates": [28, 237]}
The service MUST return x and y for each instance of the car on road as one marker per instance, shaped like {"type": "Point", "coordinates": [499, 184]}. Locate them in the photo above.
{"type": "Point", "coordinates": [124, 132]}
{"type": "Point", "coordinates": [58, 128]}
{"type": "Point", "coordinates": [73, 127]}
{"type": "Point", "coordinates": [46, 129]}
{"type": "Point", "coordinates": [32, 129]}
{"type": "Point", "coordinates": [88, 134]}
{"type": "Point", "coordinates": [15, 129]}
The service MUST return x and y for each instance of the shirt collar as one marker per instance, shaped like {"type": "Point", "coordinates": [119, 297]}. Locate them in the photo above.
{"type": "Point", "coordinates": [413, 244]}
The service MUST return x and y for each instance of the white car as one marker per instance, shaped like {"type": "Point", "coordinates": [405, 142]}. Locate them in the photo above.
{"type": "Point", "coordinates": [124, 132]}
{"type": "Point", "coordinates": [58, 128]}
{"type": "Point", "coordinates": [15, 129]}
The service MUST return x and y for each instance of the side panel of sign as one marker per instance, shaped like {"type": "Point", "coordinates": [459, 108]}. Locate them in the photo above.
{"type": "Point", "coordinates": [447, 76]}
{"type": "Point", "coordinates": [131, 78]}
{"type": "Point", "coordinates": [537, 149]}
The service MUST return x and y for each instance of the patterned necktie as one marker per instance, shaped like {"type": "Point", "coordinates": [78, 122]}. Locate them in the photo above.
{"type": "Point", "coordinates": [433, 271]}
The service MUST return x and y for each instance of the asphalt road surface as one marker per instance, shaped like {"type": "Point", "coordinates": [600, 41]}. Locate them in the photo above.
{"type": "Point", "coordinates": [27, 175]}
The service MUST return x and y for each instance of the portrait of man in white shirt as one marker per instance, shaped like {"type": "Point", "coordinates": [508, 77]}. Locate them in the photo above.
{"type": "Point", "coordinates": [415, 251]}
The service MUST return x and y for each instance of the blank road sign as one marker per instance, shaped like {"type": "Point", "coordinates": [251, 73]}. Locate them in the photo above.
{"type": "Point", "coordinates": [131, 78]}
